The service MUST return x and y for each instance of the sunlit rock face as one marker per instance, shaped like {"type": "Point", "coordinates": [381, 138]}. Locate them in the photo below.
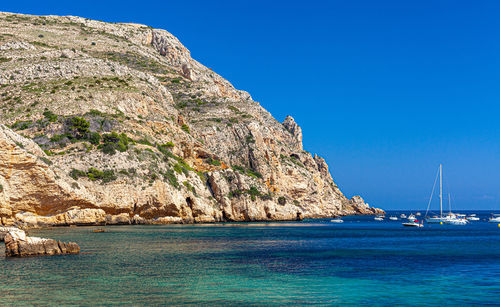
{"type": "Point", "coordinates": [117, 124]}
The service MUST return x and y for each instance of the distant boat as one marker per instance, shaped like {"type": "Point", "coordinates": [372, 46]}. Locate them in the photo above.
{"type": "Point", "coordinates": [378, 218]}
{"type": "Point", "coordinates": [495, 218]}
{"type": "Point", "coordinates": [412, 218]}
{"type": "Point", "coordinates": [337, 220]}
{"type": "Point", "coordinates": [456, 221]}
{"type": "Point", "coordinates": [418, 214]}
{"type": "Point", "coordinates": [393, 218]}
{"type": "Point", "coordinates": [473, 217]}
{"type": "Point", "coordinates": [450, 218]}
{"type": "Point", "coordinates": [437, 219]}
{"type": "Point", "coordinates": [403, 216]}
{"type": "Point", "coordinates": [413, 224]}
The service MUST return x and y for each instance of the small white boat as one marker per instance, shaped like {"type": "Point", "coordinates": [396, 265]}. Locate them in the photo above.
{"type": "Point", "coordinates": [413, 224]}
{"type": "Point", "coordinates": [418, 214]}
{"type": "Point", "coordinates": [412, 218]}
{"type": "Point", "coordinates": [435, 220]}
{"type": "Point", "coordinates": [393, 218]}
{"type": "Point", "coordinates": [378, 218]}
{"type": "Point", "coordinates": [403, 216]}
{"type": "Point", "coordinates": [337, 220]}
{"type": "Point", "coordinates": [456, 221]}
{"type": "Point", "coordinates": [495, 218]}
{"type": "Point", "coordinates": [473, 218]}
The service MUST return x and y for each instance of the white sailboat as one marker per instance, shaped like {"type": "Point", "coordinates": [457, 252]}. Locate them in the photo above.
{"type": "Point", "coordinates": [437, 219]}
{"type": "Point", "coordinates": [454, 219]}
{"type": "Point", "coordinates": [450, 218]}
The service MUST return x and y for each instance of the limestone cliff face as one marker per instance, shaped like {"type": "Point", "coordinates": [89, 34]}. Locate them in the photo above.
{"type": "Point", "coordinates": [116, 123]}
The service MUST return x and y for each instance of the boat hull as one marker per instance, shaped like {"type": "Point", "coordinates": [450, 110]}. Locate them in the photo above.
{"type": "Point", "coordinates": [435, 220]}
{"type": "Point", "coordinates": [410, 224]}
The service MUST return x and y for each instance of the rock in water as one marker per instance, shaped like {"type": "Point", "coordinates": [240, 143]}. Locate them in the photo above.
{"type": "Point", "coordinates": [5, 230]}
{"type": "Point", "coordinates": [17, 244]}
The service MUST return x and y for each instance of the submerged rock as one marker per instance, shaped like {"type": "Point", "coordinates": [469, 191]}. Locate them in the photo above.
{"type": "Point", "coordinates": [17, 244]}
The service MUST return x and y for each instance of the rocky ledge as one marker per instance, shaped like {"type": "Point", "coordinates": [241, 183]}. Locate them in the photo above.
{"type": "Point", "coordinates": [18, 244]}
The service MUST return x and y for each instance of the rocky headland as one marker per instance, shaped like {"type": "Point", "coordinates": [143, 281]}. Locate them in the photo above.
{"type": "Point", "coordinates": [115, 123]}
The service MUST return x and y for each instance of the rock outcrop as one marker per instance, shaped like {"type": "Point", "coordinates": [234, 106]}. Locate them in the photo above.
{"type": "Point", "coordinates": [117, 124]}
{"type": "Point", "coordinates": [17, 244]}
{"type": "Point", "coordinates": [5, 230]}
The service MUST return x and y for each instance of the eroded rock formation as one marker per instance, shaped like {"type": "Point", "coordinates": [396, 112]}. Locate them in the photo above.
{"type": "Point", "coordinates": [17, 244]}
{"type": "Point", "coordinates": [117, 124]}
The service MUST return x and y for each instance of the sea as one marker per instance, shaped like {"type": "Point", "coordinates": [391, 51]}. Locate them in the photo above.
{"type": "Point", "coordinates": [311, 262]}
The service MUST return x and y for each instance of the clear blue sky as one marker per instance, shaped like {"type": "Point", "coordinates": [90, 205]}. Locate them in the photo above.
{"type": "Point", "coordinates": [384, 90]}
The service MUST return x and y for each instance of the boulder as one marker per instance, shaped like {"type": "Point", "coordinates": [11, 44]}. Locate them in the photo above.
{"type": "Point", "coordinates": [17, 244]}
{"type": "Point", "coordinates": [5, 230]}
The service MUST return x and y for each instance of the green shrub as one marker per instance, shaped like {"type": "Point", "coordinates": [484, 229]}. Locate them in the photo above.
{"type": "Point", "coordinates": [235, 193]}
{"type": "Point", "coordinates": [214, 162]}
{"type": "Point", "coordinates": [282, 200]}
{"type": "Point", "coordinates": [202, 176]}
{"type": "Point", "coordinates": [75, 174]}
{"type": "Point", "coordinates": [21, 125]}
{"type": "Point", "coordinates": [185, 128]}
{"type": "Point", "coordinates": [181, 105]}
{"type": "Point", "coordinates": [189, 187]}
{"type": "Point", "coordinates": [114, 141]}
{"type": "Point", "coordinates": [144, 141]}
{"type": "Point", "coordinates": [94, 112]}
{"type": "Point", "coordinates": [253, 192]}
{"type": "Point", "coordinates": [109, 149]}
{"type": "Point", "coordinates": [252, 173]}
{"type": "Point", "coordinates": [59, 137]}
{"type": "Point", "coordinates": [178, 168]}
{"type": "Point", "coordinates": [94, 174]}
{"type": "Point", "coordinates": [249, 139]}
{"type": "Point", "coordinates": [234, 109]}
{"type": "Point", "coordinates": [94, 138]}
{"type": "Point", "coordinates": [170, 177]}
{"type": "Point", "coordinates": [239, 168]}
{"type": "Point", "coordinates": [164, 148]}
{"type": "Point", "coordinates": [51, 117]}
{"type": "Point", "coordinates": [80, 126]}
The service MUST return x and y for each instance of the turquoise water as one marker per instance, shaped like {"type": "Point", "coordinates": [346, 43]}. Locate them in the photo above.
{"type": "Point", "coordinates": [313, 262]}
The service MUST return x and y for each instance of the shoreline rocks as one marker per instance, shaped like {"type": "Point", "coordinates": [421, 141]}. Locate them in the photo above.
{"type": "Point", "coordinates": [18, 244]}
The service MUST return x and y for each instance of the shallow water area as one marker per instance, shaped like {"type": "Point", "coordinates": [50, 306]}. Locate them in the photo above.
{"type": "Point", "coordinates": [360, 261]}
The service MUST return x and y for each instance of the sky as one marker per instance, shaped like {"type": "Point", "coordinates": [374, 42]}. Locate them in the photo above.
{"type": "Point", "coordinates": [385, 91]}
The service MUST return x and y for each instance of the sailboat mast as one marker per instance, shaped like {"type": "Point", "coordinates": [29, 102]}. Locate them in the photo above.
{"type": "Point", "coordinates": [441, 188]}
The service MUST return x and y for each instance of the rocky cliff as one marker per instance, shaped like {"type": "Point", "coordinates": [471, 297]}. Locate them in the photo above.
{"type": "Point", "coordinates": [115, 123]}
